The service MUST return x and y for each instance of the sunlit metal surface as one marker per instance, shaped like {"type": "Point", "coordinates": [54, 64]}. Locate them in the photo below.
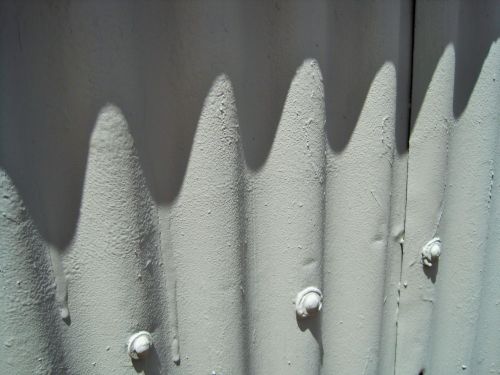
{"type": "Point", "coordinates": [185, 168]}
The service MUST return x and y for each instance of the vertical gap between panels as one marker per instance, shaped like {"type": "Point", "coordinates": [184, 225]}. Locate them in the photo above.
{"type": "Point", "coordinates": [410, 96]}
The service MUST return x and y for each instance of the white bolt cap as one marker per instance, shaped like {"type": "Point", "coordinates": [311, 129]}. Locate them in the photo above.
{"type": "Point", "coordinates": [308, 302]}
{"type": "Point", "coordinates": [139, 344]}
{"type": "Point", "coordinates": [431, 251]}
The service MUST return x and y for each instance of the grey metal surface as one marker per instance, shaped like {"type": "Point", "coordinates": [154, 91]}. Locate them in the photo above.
{"type": "Point", "coordinates": [449, 314]}
{"type": "Point", "coordinates": [186, 168]}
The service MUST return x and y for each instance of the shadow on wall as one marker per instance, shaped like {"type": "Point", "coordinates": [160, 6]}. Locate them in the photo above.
{"type": "Point", "coordinates": [61, 62]}
{"type": "Point", "coordinates": [355, 55]}
{"type": "Point", "coordinates": [150, 365]}
{"type": "Point", "coordinates": [314, 326]}
{"type": "Point", "coordinates": [471, 27]}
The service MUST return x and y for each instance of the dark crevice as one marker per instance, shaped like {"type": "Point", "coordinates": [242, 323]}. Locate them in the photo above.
{"type": "Point", "coordinates": [410, 95]}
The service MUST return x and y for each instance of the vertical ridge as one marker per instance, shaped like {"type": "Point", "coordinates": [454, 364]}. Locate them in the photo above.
{"type": "Point", "coordinates": [427, 161]}
{"type": "Point", "coordinates": [452, 148]}
{"type": "Point", "coordinates": [486, 348]}
{"type": "Point", "coordinates": [465, 216]}
{"type": "Point", "coordinates": [285, 232]}
{"type": "Point", "coordinates": [29, 322]}
{"type": "Point", "coordinates": [206, 242]}
{"type": "Point", "coordinates": [113, 266]}
{"type": "Point", "coordinates": [397, 228]}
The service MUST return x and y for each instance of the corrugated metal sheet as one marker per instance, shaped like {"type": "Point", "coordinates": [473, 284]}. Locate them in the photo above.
{"type": "Point", "coordinates": [449, 315]}
{"type": "Point", "coordinates": [186, 168]}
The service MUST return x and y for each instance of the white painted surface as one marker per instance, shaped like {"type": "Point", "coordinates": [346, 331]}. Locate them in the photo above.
{"type": "Point", "coordinates": [453, 162]}
{"type": "Point", "coordinates": [186, 168]}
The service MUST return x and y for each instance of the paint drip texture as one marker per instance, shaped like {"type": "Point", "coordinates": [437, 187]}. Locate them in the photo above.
{"type": "Point", "coordinates": [255, 188]}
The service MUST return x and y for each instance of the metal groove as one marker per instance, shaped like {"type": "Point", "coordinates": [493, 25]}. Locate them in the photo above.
{"type": "Point", "coordinates": [186, 168]}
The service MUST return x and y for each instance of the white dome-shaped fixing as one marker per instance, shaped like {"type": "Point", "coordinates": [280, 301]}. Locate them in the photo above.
{"type": "Point", "coordinates": [431, 251]}
{"type": "Point", "coordinates": [139, 344]}
{"type": "Point", "coordinates": [308, 302]}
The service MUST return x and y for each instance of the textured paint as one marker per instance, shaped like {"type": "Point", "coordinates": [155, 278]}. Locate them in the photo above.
{"type": "Point", "coordinates": [185, 168]}
{"type": "Point", "coordinates": [431, 252]}
{"type": "Point", "coordinates": [453, 160]}
{"type": "Point", "coordinates": [308, 302]}
{"type": "Point", "coordinates": [30, 331]}
{"type": "Point", "coordinates": [139, 345]}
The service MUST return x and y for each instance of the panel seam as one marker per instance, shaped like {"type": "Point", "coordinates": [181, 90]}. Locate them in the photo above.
{"type": "Point", "coordinates": [410, 106]}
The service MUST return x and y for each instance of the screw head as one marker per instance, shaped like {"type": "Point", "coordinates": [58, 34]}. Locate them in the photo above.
{"type": "Point", "coordinates": [308, 302]}
{"type": "Point", "coordinates": [139, 344]}
{"type": "Point", "coordinates": [431, 251]}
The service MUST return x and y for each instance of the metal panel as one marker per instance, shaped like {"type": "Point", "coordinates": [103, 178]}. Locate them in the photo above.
{"type": "Point", "coordinates": [186, 168]}
{"type": "Point", "coordinates": [448, 320]}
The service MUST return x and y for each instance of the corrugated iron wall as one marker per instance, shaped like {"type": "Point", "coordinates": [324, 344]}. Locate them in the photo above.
{"type": "Point", "coordinates": [449, 319]}
{"type": "Point", "coordinates": [187, 167]}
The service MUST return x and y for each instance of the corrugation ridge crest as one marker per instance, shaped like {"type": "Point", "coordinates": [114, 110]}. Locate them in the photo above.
{"type": "Point", "coordinates": [358, 215]}
{"type": "Point", "coordinates": [31, 338]}
{"type": "Point", "coordinates": [113, 266]}
{"type": "Point", "coordinates": [284, 204]}
{"type": "Point", "coordinates": [206, 241]}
